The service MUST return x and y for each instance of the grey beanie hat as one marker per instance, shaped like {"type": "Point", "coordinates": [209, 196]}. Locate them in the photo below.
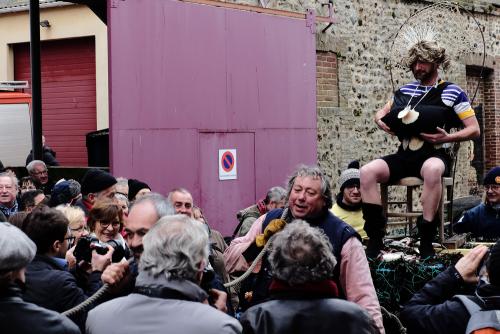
{"type": "Point", "coordinates": [350, 175]}
{"type": "Point", "coordinates": [17, 249]}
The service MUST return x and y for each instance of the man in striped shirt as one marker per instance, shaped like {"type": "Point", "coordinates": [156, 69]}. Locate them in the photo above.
{"type": "Point", "coordinates": [421, 114]}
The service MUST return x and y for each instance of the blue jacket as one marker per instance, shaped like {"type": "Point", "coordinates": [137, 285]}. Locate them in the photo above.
{"type": "Point", "coordinates": [482, 221]}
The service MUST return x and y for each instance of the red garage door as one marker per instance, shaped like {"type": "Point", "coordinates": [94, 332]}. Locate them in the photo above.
{"type": "Point", "coordinates": [68, 94]}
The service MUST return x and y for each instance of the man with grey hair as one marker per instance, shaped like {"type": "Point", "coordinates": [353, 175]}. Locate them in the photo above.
{"type": "Point", "coordinates": [16, 315]}
{"type": "Point", "coordinates": [182, 201]}
{"type": "Point", "coordinates": [8, 195]}
{"type": "Point", "coordinates": [168, 297]}
{"type": "Point", "coordinates": [421, 114]}
{"type": "Point", "coordinates": [309, 198]}
{"type": "Point", "coordinates": [302, 265]}
{"type": "Point", "coordinates": [40, 175]}
{"type": "Point", "coordinates": [275, 198]}
{"type": "Point", "coordinates": [143, 215]}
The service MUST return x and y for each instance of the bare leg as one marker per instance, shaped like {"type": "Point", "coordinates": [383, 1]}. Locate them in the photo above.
{"type": "Point", "coordinates": [432, 170]}
{"type": "Point", "coordinates": [373, 173]}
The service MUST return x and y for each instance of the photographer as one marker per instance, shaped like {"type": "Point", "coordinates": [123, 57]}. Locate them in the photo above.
{"type": "Point", "coordinates": [105, 222]}
{"type": "Point", "coordinates": [434, 310]}
{"type": "Point", "coordinates": [48, 282]}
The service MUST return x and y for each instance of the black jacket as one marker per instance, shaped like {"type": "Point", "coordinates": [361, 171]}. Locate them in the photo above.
{"type": "Point", "coordinates": [19, 317]}
{"type": "Point", "coordinates": [434, 310]}
{"type": "Point", "coordinates": [304, 311]}
{"type": "Point", "coordinates": [51, 286]}
{"type": "Point", "coordinates": [49, 157]}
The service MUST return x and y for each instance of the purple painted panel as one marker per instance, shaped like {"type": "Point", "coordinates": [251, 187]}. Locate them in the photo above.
{"type": "Point", "coordinates": [290, 148]}
{"type": "Point", "coordinates": [222, 199]}
{"type": "Point", "coordinates": [179, 70]}
{"type": "Point", "coordinates": [165, 158]}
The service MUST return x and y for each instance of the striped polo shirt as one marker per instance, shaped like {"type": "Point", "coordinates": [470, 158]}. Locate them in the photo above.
{"type": "Point", "coordinates": [452, 96]}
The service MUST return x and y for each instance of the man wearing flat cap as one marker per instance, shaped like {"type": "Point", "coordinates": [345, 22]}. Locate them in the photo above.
{"type": "Point", "coordinates": [96, 185]}
{"type": "Point", "coordinates": [483, 221]}
{"type": "Point", "coordinates": [17, 316]}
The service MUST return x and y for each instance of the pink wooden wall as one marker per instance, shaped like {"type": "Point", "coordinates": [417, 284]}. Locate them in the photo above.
{"type": "Point", "coordinates": [189, 79]}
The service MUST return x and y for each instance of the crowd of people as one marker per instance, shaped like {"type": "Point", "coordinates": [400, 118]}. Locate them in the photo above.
{"type": "Point", "coordinates": [297, 255]}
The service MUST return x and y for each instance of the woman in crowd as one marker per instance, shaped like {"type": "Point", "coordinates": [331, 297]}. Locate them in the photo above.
{"type": "Point", "coordinates": [105, 222]}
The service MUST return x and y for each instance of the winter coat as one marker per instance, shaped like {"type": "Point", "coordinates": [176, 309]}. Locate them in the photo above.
{"type": "Point", "coordinates": [20, 317]}
{"type": "Point", "coordinates": [162, 306]}
{"type": "Point", "coordinates": [49, 285]}
{"type": "Point", "coordinates": [308, 308]}
{"type": "Point", "coordinates": [246, 218]}
{"type": "Point", "coordinates": [49, 157]}
{"type": "Point", "coordinates": [434, 310]}
{"type": "Point", "coordinates": [482, 221]}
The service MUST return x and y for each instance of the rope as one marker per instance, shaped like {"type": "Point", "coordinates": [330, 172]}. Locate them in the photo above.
{"type": "Point", "coordinates": [91, 300]}
{"type": "Point", "coordinates": [88, 302]}
{"type": "Point", "coordinates": [255, 261]}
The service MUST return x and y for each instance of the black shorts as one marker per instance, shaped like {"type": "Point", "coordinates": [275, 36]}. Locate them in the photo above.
{"type": "Point", "coordinates": [407, 163]}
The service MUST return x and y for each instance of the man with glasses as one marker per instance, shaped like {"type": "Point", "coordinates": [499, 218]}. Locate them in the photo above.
{"type": "Point", "coordinates": [48, 282]}
{"type": "Point", "coordinates": [40, 175]}
{"type": "Point", "coordinates": [483, 221]}
{"type": "Point", "coordinates": [348, 202]}
{"type": "Point", "coordinates": [8, 194]}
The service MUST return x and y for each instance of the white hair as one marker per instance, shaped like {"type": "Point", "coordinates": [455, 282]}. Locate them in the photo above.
{"type": "Point", "coordinates": [31, 166]}
{"type": "Point", "coordinates": [177, 247]}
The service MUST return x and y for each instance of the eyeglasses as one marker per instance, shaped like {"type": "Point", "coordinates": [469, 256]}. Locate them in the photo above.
{"type": "Point", "coordinates": [71, 240]}
{"type": "Point", "coordinates": [494, 187]}
{"type": "Point", "coordinates": [106, 224]}
{"type": "Point", "coordinates": [8, 188]}
{"type": "Point", "coordinates": [40, 172]}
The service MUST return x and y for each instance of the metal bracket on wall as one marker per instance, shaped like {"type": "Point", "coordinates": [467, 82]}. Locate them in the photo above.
{"type": "Point", "coordinates": [330, 15]}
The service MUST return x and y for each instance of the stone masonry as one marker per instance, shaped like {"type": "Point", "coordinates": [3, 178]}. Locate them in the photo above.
{"type": "Point", "coordinates": [353, 81]}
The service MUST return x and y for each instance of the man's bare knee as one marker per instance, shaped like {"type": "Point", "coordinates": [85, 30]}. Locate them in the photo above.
{"type": "Point", "coordinates": [432, 171]}
{"type": "Point", "coordinates": [374, 172]}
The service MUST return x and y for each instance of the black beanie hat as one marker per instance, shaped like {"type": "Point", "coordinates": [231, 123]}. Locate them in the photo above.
{"type": "Point", "coordinates": [493, 176]}
{"type": "Point", "coordinates": [493, 264]}
{"type": "Point", "coordinates": [350, 176]}
{"type": "Point", "coordinates": [134, 186]}
{"type": "Point", "coordinates": [96, 180]}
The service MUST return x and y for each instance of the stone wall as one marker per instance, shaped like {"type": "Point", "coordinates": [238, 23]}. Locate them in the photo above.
{"type": "Point", "coordinates": [361, 38]}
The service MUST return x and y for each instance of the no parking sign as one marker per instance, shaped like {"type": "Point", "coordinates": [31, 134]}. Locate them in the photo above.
{"type": "Point", "coordinates": [227, 164]}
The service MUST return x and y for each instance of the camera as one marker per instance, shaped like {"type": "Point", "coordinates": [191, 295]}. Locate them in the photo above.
{"type": "Point", "coordinates": [85, 246]}
{"type": "Point", "coordinates": [481, 271]}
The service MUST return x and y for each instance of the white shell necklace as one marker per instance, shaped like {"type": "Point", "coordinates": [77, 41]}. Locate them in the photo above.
{"type": "Point", "coordinates": [409, 114]}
